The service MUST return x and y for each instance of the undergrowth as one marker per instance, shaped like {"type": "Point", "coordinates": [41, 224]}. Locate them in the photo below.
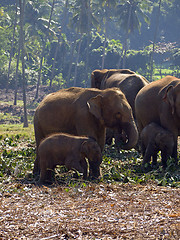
{"type": "Point", "coordinates": [18, 155]}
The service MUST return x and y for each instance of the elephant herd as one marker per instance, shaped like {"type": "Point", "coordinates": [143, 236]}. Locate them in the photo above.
{"type": "Point", "coordinates": [72, 125]}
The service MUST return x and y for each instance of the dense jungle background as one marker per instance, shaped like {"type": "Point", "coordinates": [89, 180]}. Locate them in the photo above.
{"type": "Point", "coordinates": [46, 45]}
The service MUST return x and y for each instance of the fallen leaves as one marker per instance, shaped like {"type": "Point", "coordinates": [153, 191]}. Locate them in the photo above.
{"type": "Point", "coordinates": [105, 211]}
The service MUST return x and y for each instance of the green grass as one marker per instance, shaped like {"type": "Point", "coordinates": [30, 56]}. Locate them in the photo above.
{"type": "Point", "coordinates": [19, 103]}
{"type": "Point", "coordinates": [164, 72]}
{"type": "Point", "coordinates": [11, 130]}
{"type": "Point", "coordinates": [17, 147]}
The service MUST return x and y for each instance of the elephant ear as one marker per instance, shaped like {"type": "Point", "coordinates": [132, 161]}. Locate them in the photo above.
{"type": "Point", "coordinates": [169, 96]}
{"type": "Point", "coordinates": [94, 105]}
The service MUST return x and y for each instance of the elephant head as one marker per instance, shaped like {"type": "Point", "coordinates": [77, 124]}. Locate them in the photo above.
{"type": "Point", "coordinates": [91, 150]}
{"type": "Point", "coordinates": [171, 95]}
{"type": "Point", "coordinates": [165, 142]}
{"type": "Point", "coordinates": [113, 110]}
{"type": "Point", "coordinates": [98, 76]}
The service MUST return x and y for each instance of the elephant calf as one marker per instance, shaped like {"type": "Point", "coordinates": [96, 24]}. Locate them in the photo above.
{"type": "Point", "coordinates": [68, 150]}
{"type": "Point", "coordinates": [154, 138]}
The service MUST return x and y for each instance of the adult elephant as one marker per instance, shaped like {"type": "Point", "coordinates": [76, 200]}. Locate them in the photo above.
{"type": "Point", "coordinates": [84, 111]}
{"type": "Point", "coordinates": [127, 81]}
{"type": "Point", "coordinates": [97, 76]}
{"type": "Point", "coordinates": [159, 102]}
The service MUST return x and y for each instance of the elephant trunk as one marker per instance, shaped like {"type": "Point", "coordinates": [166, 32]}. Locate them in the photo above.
{"type": "Point", "coordinates": [131, 132]}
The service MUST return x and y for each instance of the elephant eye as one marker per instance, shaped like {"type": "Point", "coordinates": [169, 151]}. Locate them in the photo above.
{"type": "Point", "coordinates": [118, 115]}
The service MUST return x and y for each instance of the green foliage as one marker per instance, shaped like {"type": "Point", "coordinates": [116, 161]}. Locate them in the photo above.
{"type": "Point", "coordinates": [137, 60]}
{"type": "Point", "coordinates": [176, 58]}
{"type": "Point", "coordinates": [125, 166]}
{"type": "Point", "coordinates": [18, 155]}
{"type": "Point", "coordinates": [58, 82]}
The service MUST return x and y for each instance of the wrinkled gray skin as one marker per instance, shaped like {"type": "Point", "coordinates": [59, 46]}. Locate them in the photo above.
{"type": "Point", "coordinates": [154, 138]}
{"type": "Point", "coordinates": [159, 102]}
{"type": "Point", "coordinates": [127, 81]}
{"type": "Point", "coordinates": [84, 112]}
{"type": "Point", "coordinates": [68, 150]}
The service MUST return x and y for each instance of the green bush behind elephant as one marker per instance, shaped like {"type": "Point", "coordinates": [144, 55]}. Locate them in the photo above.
{"type": "Point", "coordinates": [84, 112]}
{"type": "Point", "coordinates": [159, 102]}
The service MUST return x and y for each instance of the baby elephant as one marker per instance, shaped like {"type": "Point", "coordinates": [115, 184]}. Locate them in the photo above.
{"type": "Point", "coordinates": [71, 151]}
{"type": "Point", "coordinates": [154, 138]}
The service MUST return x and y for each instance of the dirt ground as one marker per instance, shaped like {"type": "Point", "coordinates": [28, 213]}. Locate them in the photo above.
{"type": "Point", "coordinates": [17, 110]}
{"type": "Point", "coordinates": [97, 211]}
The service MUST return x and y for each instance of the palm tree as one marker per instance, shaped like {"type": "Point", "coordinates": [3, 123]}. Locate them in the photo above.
{"type": "Point", "coordinates": [128, 13]}
{"type": "Point", "coordinates": [43, 52]}
{"type": "Point", "coordinates": [59, 35]}
{"type": "Point", "coordinates": [12, 44]}
{"type": "Point", "coordinates": [105, 8]}
{"type": "Point", "coordinates": [160, 6]}
{"type": "Point", "coordinates": [83, 19]}
{"type": "Point", "coordinates": [21, 40]}
{"type": "Point", "coordinates": [38, 30]}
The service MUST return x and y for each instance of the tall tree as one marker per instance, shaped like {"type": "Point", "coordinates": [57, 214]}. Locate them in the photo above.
{"type": "Point", "coordinates": [158, 15]}
{"type": "Point", "coordinates": [105, 8]}
{"type": "Point", "coordinates": [83, 19]}
{"type": "Point", "coordinates": [12, 44]}
{"type": "Point", "coordinates": [21, 39]}
{"type": "Point", "coordinates": [59, 36]}
{"type": "Point", "coordinates": [128, 13]}
{"type": "Point", "coordinates": [43, 53]}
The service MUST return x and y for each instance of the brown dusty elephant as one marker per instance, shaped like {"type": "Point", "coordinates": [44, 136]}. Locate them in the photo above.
{"type": "Point", "coordinates": [159, 102]}
{"type": "Point", "coordinates": [98, 75]}
{"type": "Point", "coordinates": [154, 138]}
{"type": "Point", "coordinates": [84, 112]}
{"type": "Point", "coordinates": [126, 80]}
{"type": "Point", "coordinates": [68, 150]}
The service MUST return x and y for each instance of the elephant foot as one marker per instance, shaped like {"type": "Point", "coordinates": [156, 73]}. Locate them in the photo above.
{"type": "Point", "coordinates": [146, 167]}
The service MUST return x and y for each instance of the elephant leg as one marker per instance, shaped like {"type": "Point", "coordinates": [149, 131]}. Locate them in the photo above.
{"type": "Point", "coordinates": [164, 157]}
{"type": "Point", "coordinates": [46, 176]}
{"type": "Point", "coordinates": [38, 136]}
{"type": "Point", "coordinates": [143, 149]}
{"type": "Point", "coordinates": [147, 156]}
{"type": "Point", "coordinates": [154, 161]}
{"type": "Point", "coordinates": [109, 136]}
{"type": "Point", "coordinates": [84, 165]}
{"type": "Point", "coordinates": [174, 154]}
{"type": "Point", "coordinates": [36, 169]}
{"type": "Point", "coordinates": [94, 170]}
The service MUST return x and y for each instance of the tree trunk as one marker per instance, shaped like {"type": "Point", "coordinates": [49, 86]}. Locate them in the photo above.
{"type": "Point", "coordinates": [16, 76]}
{"type": "Point", "coordinates": [59, 40]}
{"type": "Point", "coordinates": [77, 60]}
{"type": "Point", "coordinates": [87, 54]}
{"type": "Point", "coordinates": [126, 39]}
{"type": "Point", "coordinates": [22, 6]}
{"type": "Point", "coordinates": [12, 45]}
{"type": "Point", "coordinates": [154, 40]}
{"type": "Point", "coordinates": [104, 45]}
{"type": "Point", "coordinates": [70, 63]}
{"type": "Point", "coordinates": [42, 54]}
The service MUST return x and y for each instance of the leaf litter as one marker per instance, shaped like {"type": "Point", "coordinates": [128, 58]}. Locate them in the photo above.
{"type": "Point", "coordinates": [97, 211]}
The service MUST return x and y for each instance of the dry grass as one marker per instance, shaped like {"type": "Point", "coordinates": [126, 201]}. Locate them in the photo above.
{"type": "Point", "coordinates": [97, 211]}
